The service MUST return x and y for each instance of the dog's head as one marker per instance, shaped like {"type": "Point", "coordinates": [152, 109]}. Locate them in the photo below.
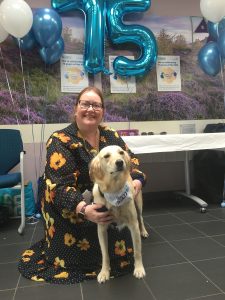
{"type": "Point", "coordinates": [111, 163]}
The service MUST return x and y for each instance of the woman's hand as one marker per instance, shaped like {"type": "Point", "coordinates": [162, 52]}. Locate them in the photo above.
{"type": "Point", "coordinates": [137, 187]}
{"type": "Point", "coordinates": [91, 214]}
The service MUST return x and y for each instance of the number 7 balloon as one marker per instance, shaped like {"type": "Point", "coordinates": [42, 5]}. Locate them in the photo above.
{"type": "Point", "coordinates": [120, 33]}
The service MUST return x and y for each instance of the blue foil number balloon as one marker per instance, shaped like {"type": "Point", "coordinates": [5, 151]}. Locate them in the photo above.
{"type": "Point", "coordinates": [94, 12]}
{"type": "Point", "coordinates": [102, 15]}
{"type": "Point", "coordinates": [120, 33]}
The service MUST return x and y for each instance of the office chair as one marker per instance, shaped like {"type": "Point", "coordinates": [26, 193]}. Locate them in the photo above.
{"type": "Point", "coordinates": [11, 154]}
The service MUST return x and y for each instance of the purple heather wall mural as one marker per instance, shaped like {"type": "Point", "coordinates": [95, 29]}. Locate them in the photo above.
{"type": "Point", "coordinates": [30, 90]}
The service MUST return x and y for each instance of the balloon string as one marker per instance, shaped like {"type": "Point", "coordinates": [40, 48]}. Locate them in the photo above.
{"type": "Point", "coordinates": [43, 125]}
{"type": "Point", "coordinates": [10, 91]}
{"type": "Point", "coordinates": [24, 84]}
{"type": "Point", "coordinates": [222, 76]}
{"type": "Point", "coordinates": [192, 30]}
{"type": "Point", "coordinates": [222, 82]}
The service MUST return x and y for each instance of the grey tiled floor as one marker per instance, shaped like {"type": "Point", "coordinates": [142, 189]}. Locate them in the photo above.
{"type": "Point", "coordinates": [184, 258]}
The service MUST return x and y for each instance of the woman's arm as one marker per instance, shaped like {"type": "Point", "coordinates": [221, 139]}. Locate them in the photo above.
{"type": "Point", "coordinates": [61, 176]}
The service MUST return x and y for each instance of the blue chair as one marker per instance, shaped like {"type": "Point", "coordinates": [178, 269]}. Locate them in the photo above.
{"type": "Point", "coordinates": [11, 155]}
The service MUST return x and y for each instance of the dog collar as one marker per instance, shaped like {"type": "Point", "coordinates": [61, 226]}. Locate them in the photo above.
{"type": "Point", "coordinates": [119, 198]}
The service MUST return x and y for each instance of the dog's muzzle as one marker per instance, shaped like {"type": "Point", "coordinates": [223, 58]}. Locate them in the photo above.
{"type": "Point", "coordinates": [119, 165]}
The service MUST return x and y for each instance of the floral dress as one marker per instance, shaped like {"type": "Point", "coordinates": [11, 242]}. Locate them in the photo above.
{"type": "Point", "coordinates": [70, 250]}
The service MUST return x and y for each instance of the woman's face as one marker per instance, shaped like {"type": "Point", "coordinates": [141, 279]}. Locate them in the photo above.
{"type": "Point", "coordinates": [89, 111]}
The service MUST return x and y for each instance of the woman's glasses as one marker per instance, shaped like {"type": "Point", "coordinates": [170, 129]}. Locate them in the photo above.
{"type": "Point", "coordinates": [87, 104]}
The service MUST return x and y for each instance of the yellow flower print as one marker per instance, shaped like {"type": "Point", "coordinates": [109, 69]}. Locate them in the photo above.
{"type": "Point", "coordinates": [93, 274]}
{"type": "Point", "coordinates": [124, 264]}
{"type": "Point", "coordinates": [93, 152]}
{"type": "Point", "coordinates": [57, 161]}
{"type": "Point", "coordinates": [71, 216]}
{"type": "Point", "coordinates": [51, 231]}
{"type": "Point", "coordinates": [69, 188]}
{"type": "Point", "coordinates": [49, 192]}
{"type": "Point", "coordinates": [62, 275]}
{"type": "Point", "coordinates": [40, 262]}
{"type": "Point", "coordinates": [107, 128]}
{"type": "Point", "coordinates": [28, 253]}
{"type": "Point", "coordinates": [103, 139]}
{"type": "Point", "coordinates": [116, 134]}
{"type": "Point", "coordinates": [62, 137]}
{"type": "Point", "coordinates": [49, 143]}
{"type": "Point", "coordinates": [49, 224]}
{"type": "Point", "coordinates": [48, 242]}
{"type": "Point", "coordinates": [83, 245]}
{"type": "Point", "coordinates": [75, 145]}
{"type": "Point", "coordinates": [65, 213]}
{"type": "Point", "coordinates": [69, 239]}
{"type": "Point", "coordinates": [40, 269]}
{"type": "Point", "coordinates": [42, 203]}
{"type": "Point", "coordinates": [59, 262]}
{"type": "Point", "coordinates": [76, 175]}
{"type": "Point", "coordinates": [35, 278]}
{"type": "Point", "coordinates": [25, 259]}
{"type": "Point", "coordinates": [120, 248]}
{"type": "Point", "coordinates": [135, 161]}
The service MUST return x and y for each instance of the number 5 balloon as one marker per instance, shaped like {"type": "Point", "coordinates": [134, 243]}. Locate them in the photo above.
{"type": "Point", "coordinates": [120, 33]}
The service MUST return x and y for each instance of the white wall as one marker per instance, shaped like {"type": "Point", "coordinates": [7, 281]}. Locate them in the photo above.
{"type": "Point", "coordinates": [160, 7]}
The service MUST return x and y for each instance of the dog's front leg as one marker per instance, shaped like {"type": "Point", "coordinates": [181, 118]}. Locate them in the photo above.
{"type": "Point", "coordinates": [139, 271]}
{"type": "Point", "coordinates": [103, 241]}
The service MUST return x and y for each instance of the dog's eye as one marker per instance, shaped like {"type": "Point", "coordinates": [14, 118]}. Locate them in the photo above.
{"type": "Point", "coordinates": [107, 156]}
{"type": "Point", "coordinates": [121, 152]}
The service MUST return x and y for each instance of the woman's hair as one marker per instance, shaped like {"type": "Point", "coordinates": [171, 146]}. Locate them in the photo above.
{"type": "Point", "coordinates": [89, 89]}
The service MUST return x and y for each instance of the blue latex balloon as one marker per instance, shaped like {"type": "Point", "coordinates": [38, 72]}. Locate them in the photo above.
{"type": "Point", "coordinates": [221, 26]}
{"type": "Point", "coordinates": [52, 54]}
{"type": "Point", "coordinates": [94, 12]}
{"type": "Point", "coordinates": [209, 58]}
{"type": "Point", "coordinates": [28, 42]}
{"type": "Point", "coordinates": [120, 33]}
{"type": "Point", "coordinates": [221, 43]}
{"type": "Point", "coordinates": [47, 26]}
{"type": "Point", "coordinates": [213, 30]}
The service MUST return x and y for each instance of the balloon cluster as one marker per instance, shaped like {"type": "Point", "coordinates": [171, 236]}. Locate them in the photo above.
{"type": "Point", "coordinates": [16, 18]}
{"type": "Point", "coordinates": [46, 35]}
{"type": "Point", "coordinates": [211, 56]}
{"type": "Point", "coordinates": [42, 29]}
{"type": "Point", "coordinates": [105, 16]}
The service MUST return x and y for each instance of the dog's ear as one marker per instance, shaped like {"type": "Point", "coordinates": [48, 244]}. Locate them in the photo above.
{"type": "Point", "coordinates": [127, 159]}
{"type": "Point", "coordinates": [95, 170]}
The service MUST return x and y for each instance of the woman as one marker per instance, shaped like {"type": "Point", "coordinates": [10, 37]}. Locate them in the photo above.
{"type": "Point", "coordinates": [70, 251]}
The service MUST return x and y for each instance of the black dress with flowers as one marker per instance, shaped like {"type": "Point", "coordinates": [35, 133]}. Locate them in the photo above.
{"type": "Point", "coordinates": [70, 251]}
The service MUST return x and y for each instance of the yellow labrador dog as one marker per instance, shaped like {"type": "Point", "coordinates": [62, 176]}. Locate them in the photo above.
{"type": "Point", "coordinates": [110, 172]}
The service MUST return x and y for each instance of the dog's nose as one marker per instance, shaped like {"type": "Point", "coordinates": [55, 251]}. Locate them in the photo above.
{"type": "Point", "coordinates": [119, 163]}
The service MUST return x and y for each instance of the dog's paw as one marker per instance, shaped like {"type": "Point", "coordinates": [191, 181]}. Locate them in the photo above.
{"type": "Point", "coordinates": [144, 233]}
{"type": "Point", "coordinates": [139, 272]}
{"type": "Point", "coordinates": [103, 276]}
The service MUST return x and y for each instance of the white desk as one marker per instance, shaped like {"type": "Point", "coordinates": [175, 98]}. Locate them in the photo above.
{"type": "Point", "coordinates": [178, 142]}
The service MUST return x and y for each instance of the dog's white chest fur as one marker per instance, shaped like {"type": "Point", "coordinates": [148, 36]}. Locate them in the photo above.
{"type": "Point", "coordinates": [121, 197]}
